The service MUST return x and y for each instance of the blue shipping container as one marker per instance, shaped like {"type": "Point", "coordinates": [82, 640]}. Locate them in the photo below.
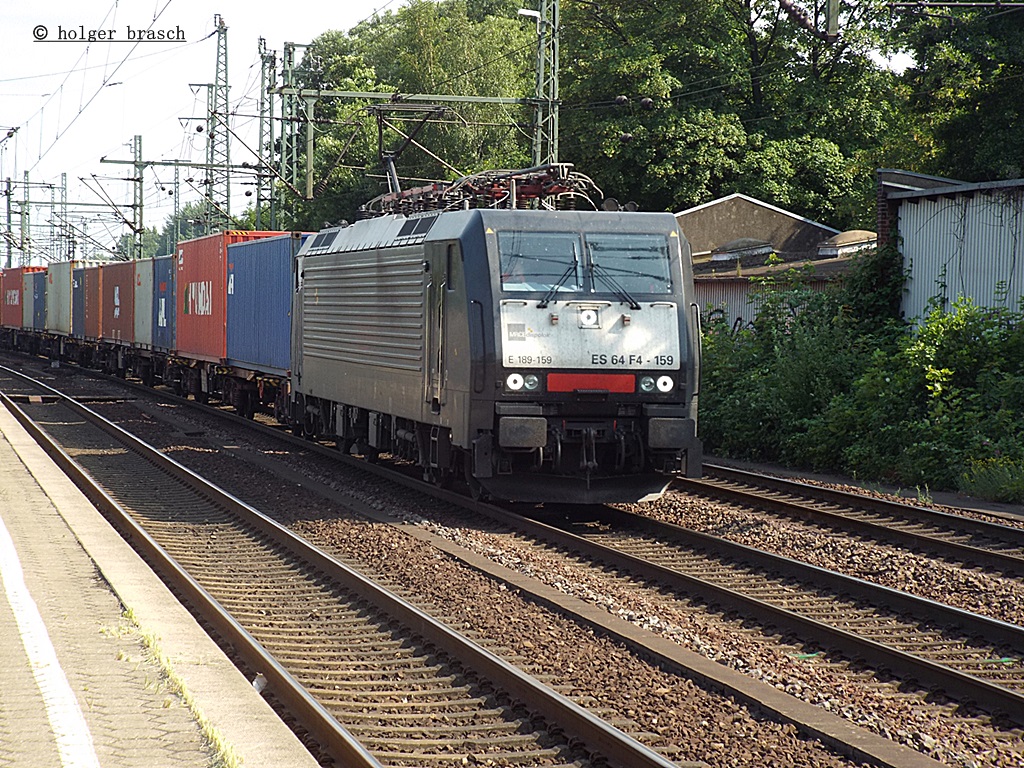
{"type": "Point", "coordinates": [163, 303]}
{"type": "Point", "coordinates": [259, 303]}
{"type": "Point", "coordinates": [39, 297]}
{"type": "Point", "coordinates": [78, 303]}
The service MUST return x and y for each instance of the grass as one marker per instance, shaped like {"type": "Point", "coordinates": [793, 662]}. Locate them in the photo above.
{"type": "Point", "coordinates": [224, 753]}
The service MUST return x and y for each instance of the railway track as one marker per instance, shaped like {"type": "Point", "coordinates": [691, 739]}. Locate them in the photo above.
{"type": "Point", "coordinates": [969, 657]}
{"type": "Point", "coordinates": [569, 544]}
{"type": "Point", "coordinates": [373, 678]}
{"type": "Point", "coordinates": [957, 538]}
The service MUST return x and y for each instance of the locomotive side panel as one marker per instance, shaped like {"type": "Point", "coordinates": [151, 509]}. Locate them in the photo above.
{"type": "Point", "coordinates": [362, 329]}
{"type": "Point", "coordinates": [450, 367]}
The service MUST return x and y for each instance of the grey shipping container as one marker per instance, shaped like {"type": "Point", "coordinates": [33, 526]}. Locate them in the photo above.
{"type": "Point", "coordinates": [59, 298]}
{"type": "Point", "coordinates": [28, 299]}
{"type": "Point", "coordinates": [78, 302]}
{"type": "Point", "coordinates": [259, 288]}
{"type": "Point", "coordinates": [163, 304]}
{"type": "Point", "coordinates": [39, 301]}
{"type": "Point", "coordinates": [144, 303]}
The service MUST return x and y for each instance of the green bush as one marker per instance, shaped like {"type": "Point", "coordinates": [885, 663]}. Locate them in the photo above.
{"type": "Point", "coordinates": [763, 387]}
{"type": "Point", "coordinates": [948, 396]}
{"type": "Point", "coordinates": [999, 479]}
{"type": "Point", "coordinates": [813, 385]}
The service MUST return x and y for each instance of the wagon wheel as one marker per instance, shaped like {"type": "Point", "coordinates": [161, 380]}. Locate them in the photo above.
{"type": "Point", "coordinates": [245, 405]}
{"type": "Point", "coordinates": [442, 478]}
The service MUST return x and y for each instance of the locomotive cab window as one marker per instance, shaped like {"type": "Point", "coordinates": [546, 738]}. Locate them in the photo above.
{"type": "Point", "coordinates": [634, 263]}
{"type": "Point", "coordinates": [540, 261]}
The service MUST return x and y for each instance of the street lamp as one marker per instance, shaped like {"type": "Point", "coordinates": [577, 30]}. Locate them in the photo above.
{"type": "Point", "coordinates": [531, 14]}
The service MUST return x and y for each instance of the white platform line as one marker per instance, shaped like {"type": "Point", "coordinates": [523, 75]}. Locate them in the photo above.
{"type": "Point", "coordinates": [74, 742]}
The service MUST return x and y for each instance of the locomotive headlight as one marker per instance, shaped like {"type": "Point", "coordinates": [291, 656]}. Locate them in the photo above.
{"type": "Point", "coordinates": [589, 318]}
{"type": "Point", "coordinates": [665, 384]}
{"type": "Point", "coordinates": [646, 383]}
{"type": "Point", "coordinates": [515, 381]}
{"type": "Point", "coordinates": [531, 382]}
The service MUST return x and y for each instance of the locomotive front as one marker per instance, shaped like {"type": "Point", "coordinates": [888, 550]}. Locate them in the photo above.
{"type": "Point", "coordinates": [596, 357]}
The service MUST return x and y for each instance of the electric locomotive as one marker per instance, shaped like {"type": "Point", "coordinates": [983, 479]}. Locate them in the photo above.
{"type": "Point", "coordinates": [543, 355]}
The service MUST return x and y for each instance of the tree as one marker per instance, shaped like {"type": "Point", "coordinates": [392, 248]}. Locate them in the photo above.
{"type": "Point", "coordinates": [125, 249]}
{"type": "Point", "coordinates": [966, 85]}
{"type": "Point", "coordinates": [739, 98]}
{"type": "Point", "coordinates": [445, 47]}
{"type": "Point", "coordinates": [190, 223]}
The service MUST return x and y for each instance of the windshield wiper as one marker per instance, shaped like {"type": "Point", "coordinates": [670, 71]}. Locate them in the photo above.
{"type": "Point", "coordinates": [570, 270]}
{"type": "Point", "coordinates": [612, 283]}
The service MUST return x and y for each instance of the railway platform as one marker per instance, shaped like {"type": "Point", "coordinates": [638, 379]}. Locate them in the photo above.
{"type": "Point", "coordinates": [99, 664]}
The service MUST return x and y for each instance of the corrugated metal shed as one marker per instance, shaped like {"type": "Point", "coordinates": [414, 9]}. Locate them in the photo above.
{"type": "Point", "coordinates": [737, 299]}
{"type": "Point", "coordinates": [963, 240]}
{"type": "Point", "coordinates": [734, 300]}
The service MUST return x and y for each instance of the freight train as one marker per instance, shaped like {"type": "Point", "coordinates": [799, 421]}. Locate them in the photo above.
{"type": "Point", "coordinates": [538, 355]}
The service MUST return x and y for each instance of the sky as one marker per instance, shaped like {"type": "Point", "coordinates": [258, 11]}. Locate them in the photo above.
{"type": "Point", "coordinates": [66, 102]}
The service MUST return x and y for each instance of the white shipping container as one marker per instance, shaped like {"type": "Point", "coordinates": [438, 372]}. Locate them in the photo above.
{"type": "Point", "coordinates": [58, 298]}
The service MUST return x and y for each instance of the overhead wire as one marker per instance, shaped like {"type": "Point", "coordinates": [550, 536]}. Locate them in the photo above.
{"type": "Point", "coordinates": [103, 84]}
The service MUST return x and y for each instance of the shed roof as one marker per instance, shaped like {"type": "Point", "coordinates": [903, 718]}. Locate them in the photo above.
{"type": "Point", "coordinates": [761, 203]}
{"type": "Point", "coordinates": [959, 188]}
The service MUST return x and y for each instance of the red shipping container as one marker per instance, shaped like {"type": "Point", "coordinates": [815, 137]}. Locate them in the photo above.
{"type": "Point", "coordinates": [117, 287]}
{"type": "Point", "coordinates": [93, 302]}
{"type": "Point", "coordinates": [201, 287]}
{"type": "Point", "coordinates": [11, 301]}
{"type": "Point", "coordinates": [6, 279]}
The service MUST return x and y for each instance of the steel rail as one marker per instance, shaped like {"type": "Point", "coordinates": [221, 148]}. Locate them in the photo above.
{"type": "Point", "coordinates": [312, 716]}
{"type": "Point", "coordinates": [992, 558]}
{"type": "Point", "coordinates": [876, 504]}
{"type": "Point", "coordinates": [599, 736]}
{"type": "Point", "coordinates": [809, 719]}
{"type": "Point", "coordinates": [959, 685]}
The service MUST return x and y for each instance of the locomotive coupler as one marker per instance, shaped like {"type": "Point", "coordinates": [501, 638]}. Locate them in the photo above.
{"type": "Point", "coordinates": [588, 452]}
